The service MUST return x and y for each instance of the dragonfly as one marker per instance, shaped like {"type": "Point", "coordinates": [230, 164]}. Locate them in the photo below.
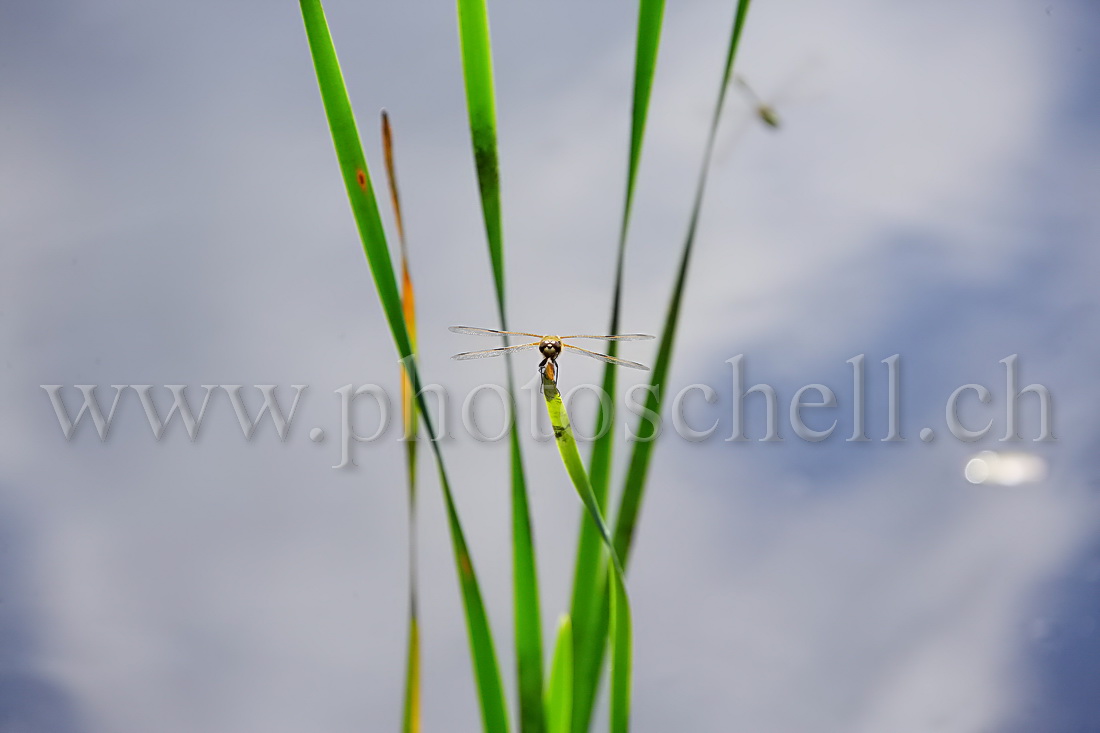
{"type": "Point", "coordinates": [764, 112]}
{"type": "Point", "coordinates": [551, 347]}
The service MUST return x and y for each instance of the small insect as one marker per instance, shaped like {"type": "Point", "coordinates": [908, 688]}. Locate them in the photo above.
{"type": "Point", "coordinates": [765, 112]}
{"type": "Point", "coordinates": [549, 346]}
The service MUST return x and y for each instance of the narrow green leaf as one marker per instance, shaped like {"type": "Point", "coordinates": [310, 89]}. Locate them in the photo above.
{"type": "Point", "coordinates": [650, 20]}
{"type": "Point", "coordinates": [357, 181]}
{"type": "Point", "coordinates": [588, 572]}
{"type": "Point", "coordinates": [527, 608]}
{"type": "Point", "coordinates": [477, 68]}
{"type": "Point", "coordinates": [619, 613]}
{"type": "Point", "coordinates": [353, 167]}
{"type": "Point", "coordinates": [590, 657]}
{"type": "Point", "coordinates": [571, 457]}
{"type": "Point", "coordinates": [559, 694]}
{"type": "Point", "coordinates": [634, 485]}
{"type": "Point", "coordinates": [622, 650]}
{"type": "Point", "coordinates": [477, 72]}
{"type": "Point", "coordinates": [410, 718]}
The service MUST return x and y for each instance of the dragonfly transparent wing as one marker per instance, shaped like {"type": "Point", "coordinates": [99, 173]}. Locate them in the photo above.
{"type": "Point", "coordinates": [469, 330]}
{"type": "Point", "coordinates": [609, 359]}
{"type": "Point", "coordinates": [747, 90]}
{"type": "Point", "coordinates": [486, 353]}
{"type": "Point", "coordinates": [621, 337]}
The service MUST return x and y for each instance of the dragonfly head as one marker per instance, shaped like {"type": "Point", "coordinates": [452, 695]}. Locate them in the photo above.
{"type": "Point", "coordinates": [550, 346]}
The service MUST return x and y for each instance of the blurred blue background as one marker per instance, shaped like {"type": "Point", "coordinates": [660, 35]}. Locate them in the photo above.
{"type": "Point", "coordinates": [172, 213]}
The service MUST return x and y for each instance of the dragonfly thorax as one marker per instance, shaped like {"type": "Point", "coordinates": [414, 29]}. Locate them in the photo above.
{"type": "Point", "coordinates": [550, 346]}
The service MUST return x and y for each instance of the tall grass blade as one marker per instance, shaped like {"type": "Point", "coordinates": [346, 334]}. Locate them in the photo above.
{"type": "Point", "coordinates": [559, 692]}
{"type": "Point", "coordinates": [410, 722]}
{"type": "Point", "coordinates": [637, 471]}
{"type": "Point", "coordinates": [364, 206]}
{"type": "Point", "coordinates": [619, 615]}
{"type": "Point", "coordinates": [588, 572]}
{"type": "Point", "coordinates": [622, 651]}
{"type": "Point", "coordinates": [526, 604]}
{"type": "Point", "coordinates": [477, 73]}
{"type": "Point", "coordinates": [477, 70]}
{"type": "Point", "coordinates": [410, 717]}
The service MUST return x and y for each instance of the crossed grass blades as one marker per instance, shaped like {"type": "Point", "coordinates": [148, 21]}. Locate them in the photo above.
{"type": "Point", "coordinates": [599, 610]}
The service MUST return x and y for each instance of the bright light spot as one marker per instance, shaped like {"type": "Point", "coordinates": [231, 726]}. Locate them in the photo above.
{"type": "Point", "coordinates": [977, 470]}
{"type": "Point", "coordinates": [1005, 469]}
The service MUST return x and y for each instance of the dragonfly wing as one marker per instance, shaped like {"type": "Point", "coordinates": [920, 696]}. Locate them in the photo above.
{"type": "Point", "coordinates": [747, 90]}
{"type": "Point", "coordinates": [608, 359]}
{"type": "Point", "coordinates": [469, 330]}
{"type": "Point", "coordinates": [486, 353]}
{"type": "Point", "coordinates": [621, 337]}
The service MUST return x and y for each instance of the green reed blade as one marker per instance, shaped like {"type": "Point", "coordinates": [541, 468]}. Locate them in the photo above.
{"type": "Point", "coordinates": [588, 571]}
{"type": "Point", "coordinates": [634, 485]}
{"type": "Point", "coordinates": [477, 71]}
{"type": "Point", "coordinates": [559, 691]}
{"type": "Point", "coordinates": [353, 167]}
{"type": "Point", "coordinates": [637, 471]}
{"type": "Point", "coordinates": [619, 613]}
